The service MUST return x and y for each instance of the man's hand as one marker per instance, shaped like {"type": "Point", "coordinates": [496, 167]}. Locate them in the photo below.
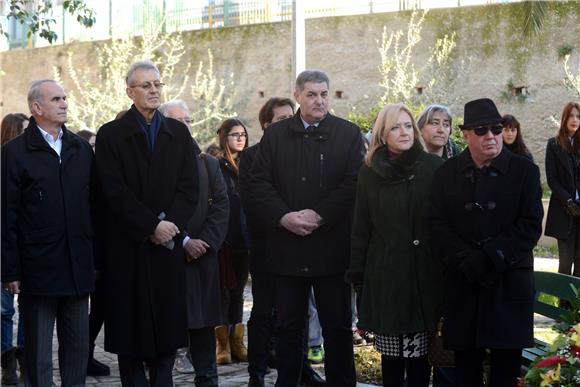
{"type": "Point", "coordinates": [12, 287]}
{"type": "Point", "coordinates": [196, 248]}
{"type": "Point", "coordinates": [298, 224]}
{"type": "Point", "coordinates": [164, 232]}
{"type": "Point", "coordinates": [311, 216]}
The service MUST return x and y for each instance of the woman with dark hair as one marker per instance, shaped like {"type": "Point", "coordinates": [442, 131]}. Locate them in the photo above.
{"type": "Point", "coordinates": [391, 265]}
{"type": "Point", "coordinates": [233, 255]}
{"type": "Point", "coordinates": [512, 137]}
{"type": "Point", "coordinates": [12, 126]}
{"type": "Point", "coordinates": [563, 175]}
{"type": "Point", "coordinates": [435, 125]}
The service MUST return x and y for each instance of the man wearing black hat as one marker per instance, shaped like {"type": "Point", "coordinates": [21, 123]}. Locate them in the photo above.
{"type": "Point", "coordinates": [486, 219]}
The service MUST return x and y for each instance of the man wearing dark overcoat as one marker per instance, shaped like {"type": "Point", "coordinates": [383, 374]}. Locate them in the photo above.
{"type": "Point", "coordinates": [47, 236]}
{"type": "Point", "coordinates": [303, 186]}
{"type": "Point", "coordinates": [206, 230]}
{"type": "Point", "coordinates": [148, 176]}
{"type": "Point", "coordinates": [486, 219]}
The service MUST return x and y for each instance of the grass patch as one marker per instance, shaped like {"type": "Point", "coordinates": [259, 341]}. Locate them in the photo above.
{"type": "Point", "coordinates": [367, 362]}
{"type": "Point", "coordinates": [546, 251]}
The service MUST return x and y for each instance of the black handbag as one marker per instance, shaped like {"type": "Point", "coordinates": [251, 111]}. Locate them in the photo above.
{"type": "Point", "coordinates": [439, 356]}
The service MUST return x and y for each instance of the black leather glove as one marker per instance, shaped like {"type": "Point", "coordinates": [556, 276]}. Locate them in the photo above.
{"type": "Point", "coordinates": [477, 267]}
{"type": "Point", "coordinates": [572, 208]}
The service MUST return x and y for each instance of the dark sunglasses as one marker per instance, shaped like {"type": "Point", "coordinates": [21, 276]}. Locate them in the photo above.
{"type": "Point", "coordinates": [482, 130]}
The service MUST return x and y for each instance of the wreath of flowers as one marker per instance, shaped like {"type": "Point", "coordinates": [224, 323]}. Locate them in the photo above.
{"type": "Point", "coordinates": [560, 366]}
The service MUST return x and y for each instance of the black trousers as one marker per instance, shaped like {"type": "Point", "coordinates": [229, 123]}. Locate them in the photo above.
{"type": "Point", "coordinates": [97, 314]}
{"type": "Point", "coordinates": [418, 371]}
{"type": "Point", "coordinates": [569, 252]}
{"type": "Point", "coordinates": [233, 299]}
{"type": "Point", "coordinates": [505, 367]}
{"type": "Point", "coordinates": [203, 358]}
{"type": "Point", "coordinates": [72, 327]}
{"type": "Point", "coordinates": [261, 323]}
{"type": "Point", "coordinates": [332, 296]}
{"type": "Point", "coordinates": [132, 371]}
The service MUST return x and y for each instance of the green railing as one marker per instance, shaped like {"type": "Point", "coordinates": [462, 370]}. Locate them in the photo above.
{"type": "Point", "coordinates": [119, 18]}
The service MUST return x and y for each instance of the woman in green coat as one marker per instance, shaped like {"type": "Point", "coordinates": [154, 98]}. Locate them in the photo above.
{"type": "Point", "coordinates": [391, 260]}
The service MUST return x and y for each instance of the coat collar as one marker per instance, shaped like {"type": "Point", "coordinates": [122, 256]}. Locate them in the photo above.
{"type": "Point", "coordinates": [324, 126]}
{"type": "Point", "coordinates": [131, 127]}
{"type": "Point", "coordinates": [35, 141]}
{"type": "Point", "coordinates": [500, 163]}
{"type": "Point", "coordinates": [401, 166]}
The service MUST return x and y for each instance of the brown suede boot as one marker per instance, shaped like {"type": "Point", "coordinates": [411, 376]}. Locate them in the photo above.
{"type": "Point", "coordinates": [223, 352]}
{"type": "Point", "coordinates": [239, 350]}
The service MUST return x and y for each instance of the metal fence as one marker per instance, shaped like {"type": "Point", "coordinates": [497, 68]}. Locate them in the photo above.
{"type": "Point", "coordinates": [119, 18]}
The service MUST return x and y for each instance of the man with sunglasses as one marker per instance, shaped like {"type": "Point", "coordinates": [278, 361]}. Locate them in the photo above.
{"type": "Point", "coordinates": [486, 219]}
{"type": "Point", "coordinates": [148, 175]}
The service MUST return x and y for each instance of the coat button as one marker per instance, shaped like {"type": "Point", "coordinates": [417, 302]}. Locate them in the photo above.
{"type": "Point", "coordinates": [304, 269]}
{"type": "Point", "coordinates": [303, 178]}
{"type": "Point", "coordinates": [305, 136]}
{"type": "Point", "coordinates": [416, 242]}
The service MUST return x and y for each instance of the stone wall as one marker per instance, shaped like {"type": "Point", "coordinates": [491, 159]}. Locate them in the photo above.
{"type": "Point", "coordinates": [488, 37]}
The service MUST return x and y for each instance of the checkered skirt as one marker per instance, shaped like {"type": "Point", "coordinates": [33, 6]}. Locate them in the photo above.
{"type": "Point", "coordinates": [408, 345]}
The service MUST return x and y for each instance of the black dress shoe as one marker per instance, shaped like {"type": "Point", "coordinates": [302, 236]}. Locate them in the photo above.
{"type": "Point", "coordinates": [256, 381]}
{"type": "Point", "coordinates": [310, 378]}
{"type": "Point", "coordinates": [96, 368]}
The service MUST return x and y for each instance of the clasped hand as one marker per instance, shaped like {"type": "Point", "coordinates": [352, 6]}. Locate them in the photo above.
{"type": "Point", "coordinates": [195, 248]}
{"type": "Point", "coordinates": [301, 223]}
{"type": "Point", "coordinates": [164, 232]}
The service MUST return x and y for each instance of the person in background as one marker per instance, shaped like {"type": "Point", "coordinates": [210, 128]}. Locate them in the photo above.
{"type": "Point", "coordinates": [391, 260]}
{"type": "Point", "coordinates": [512, 137]}
{"type": "Point", "coordinates": [97, 304]}
{"type": "Point", "coordinates": [435, 125]}
{"type": "Point", "coordinates": [47, 236]}
{"type": "Point", "coordinates": [563, 175]}
{"type": "Point", "coordinates": [486, 217]}
{"type": "Point", "coordinates": [233, 255]}
{"type": "Point", "coordinates": [12, 126]}
{"type": "Point", "coordinates": [205, 233]}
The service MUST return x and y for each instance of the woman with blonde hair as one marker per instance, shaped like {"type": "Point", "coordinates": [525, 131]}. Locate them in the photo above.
{"type": "Point", "coordinates": [563, 175]}
{"type": "Point", "coordinates": [391, 260]}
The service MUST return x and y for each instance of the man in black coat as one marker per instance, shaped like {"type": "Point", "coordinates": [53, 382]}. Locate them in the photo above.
{"type": "Point", "coordinates": [206, 230]}
{"type": "Point", "coordinates": [260, 325]}
{"type": "Point", "coordinates": [47, 244]}
{"type": "Point", "coordinates": [148, 176]}
{"type": "Point", "coordinates": [486, 219]}
{"type": "Point", "coordinates": [303, 183]}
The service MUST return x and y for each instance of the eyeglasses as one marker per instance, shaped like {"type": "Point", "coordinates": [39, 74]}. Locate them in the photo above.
{"type": "Point", "coordinates": [148, 85]}
{"type": "Point", "coordinates": [482, 130]}
{"type": "Point", "coordinates": [238, 136]}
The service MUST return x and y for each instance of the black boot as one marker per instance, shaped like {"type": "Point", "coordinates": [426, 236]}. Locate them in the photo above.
{"type": "Point", "coordinates": [95, 367]}
{"type": "Point", "coordinates": [9, 375]}
{"type": "Point", "coordinates": [310, 378]}
{"type": "Point", "coordinates": [256, 381]}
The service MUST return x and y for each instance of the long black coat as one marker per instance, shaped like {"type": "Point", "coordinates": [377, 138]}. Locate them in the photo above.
{"type": "Point", "coordinates": [145, 283]}
{"type": "Point", "coordinates": [499, 212]}
{"type": "Point", "coordinates": [260, 261]}
{"type": "Point", "coordinates": [295, 170]}
{"type": "Point", "coordinates": [47, 232]}
{"type": "Point", "coordinates": [209, 223]}
{"type": "Point", "coordinates": [560, 175]}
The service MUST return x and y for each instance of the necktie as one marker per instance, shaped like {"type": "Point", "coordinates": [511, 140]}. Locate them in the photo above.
{"type": "Point", "coordinates": [310, 128]}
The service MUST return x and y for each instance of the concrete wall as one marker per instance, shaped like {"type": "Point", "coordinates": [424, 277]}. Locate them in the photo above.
{"type": "Point", "coordinates": [346, 47]}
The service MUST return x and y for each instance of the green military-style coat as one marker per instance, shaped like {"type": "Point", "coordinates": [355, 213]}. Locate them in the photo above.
{"type": "Point", "coordinates": [390, 249]}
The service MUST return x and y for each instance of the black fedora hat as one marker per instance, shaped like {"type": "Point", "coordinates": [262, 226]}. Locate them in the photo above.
{"type": "Point", "coordinates": [480, 112]}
